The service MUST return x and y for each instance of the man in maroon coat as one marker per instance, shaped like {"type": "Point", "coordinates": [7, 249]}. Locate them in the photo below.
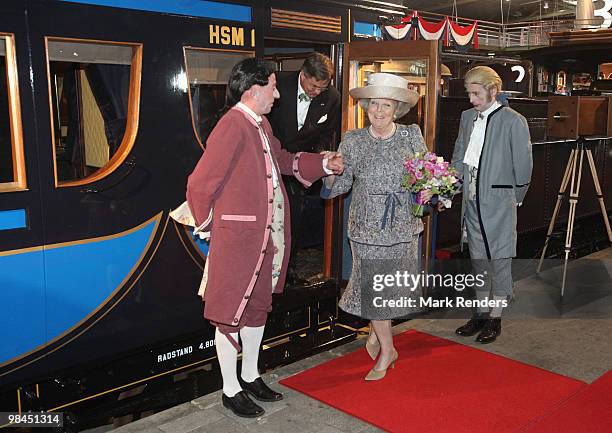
{"type": "Point", "coordinates": [236, 192]}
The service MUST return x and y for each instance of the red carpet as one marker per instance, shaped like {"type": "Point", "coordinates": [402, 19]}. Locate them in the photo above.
{"type": "Point", "coordinates": [588, 411]}
{"type": "Point", "coordinates": [437, 386]}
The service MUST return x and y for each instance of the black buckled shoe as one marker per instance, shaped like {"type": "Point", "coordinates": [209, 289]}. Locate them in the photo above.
{"type": "Point", "coordinates": [242, 405]}
{"type": "Point", "coordinates": [475, 324]}
{"type": "Point", "coordinates": [490, 331]}
{"type": "Point", "coordinates": [260, 390]}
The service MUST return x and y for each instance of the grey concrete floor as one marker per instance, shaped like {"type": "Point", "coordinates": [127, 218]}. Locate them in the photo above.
{"type": "Point", "coordinates": [570, 338]}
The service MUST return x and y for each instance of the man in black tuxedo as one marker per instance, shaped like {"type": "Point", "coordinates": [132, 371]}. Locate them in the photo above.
{"type": "Point", "coordinates": [304, 119]}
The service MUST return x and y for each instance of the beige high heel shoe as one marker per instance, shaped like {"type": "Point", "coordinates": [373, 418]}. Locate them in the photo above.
{"type": "Point", "coordinates": [379, 374]}
{"type": "Point", "coordinates": [372, 348]}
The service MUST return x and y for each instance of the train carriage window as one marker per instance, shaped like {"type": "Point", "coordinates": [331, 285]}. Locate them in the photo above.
{"type": "Point", "coordinates": [12, 164]}
{"type": "Point", "coordinates": [94, 92]}
{"type": "Point", "coordinates": [208, 73]}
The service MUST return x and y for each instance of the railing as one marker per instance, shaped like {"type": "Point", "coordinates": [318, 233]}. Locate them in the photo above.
{"type": "Point", "coordinates": [517, 35]}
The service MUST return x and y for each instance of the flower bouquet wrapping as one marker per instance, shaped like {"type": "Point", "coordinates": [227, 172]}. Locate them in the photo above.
{"type": "Point", "coordinates": [429, 174]}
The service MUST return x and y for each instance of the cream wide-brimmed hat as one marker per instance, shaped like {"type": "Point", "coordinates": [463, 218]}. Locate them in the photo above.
{"type": "Point", "coordinates": [388, 86]}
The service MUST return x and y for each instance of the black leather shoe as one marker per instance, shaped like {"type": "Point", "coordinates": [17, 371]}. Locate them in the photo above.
{"type": "Point", "coordinates": [490, 332]}
{"type": "Point", "coordinates": [260, 390]}
{"type": "Point", "coordinates": [242, 405]}
{"type": "Point", "coordinates": [475, 324]}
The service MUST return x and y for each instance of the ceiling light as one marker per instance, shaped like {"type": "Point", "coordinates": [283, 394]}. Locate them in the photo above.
{"type": "Point", "coordinates": [545, 5]}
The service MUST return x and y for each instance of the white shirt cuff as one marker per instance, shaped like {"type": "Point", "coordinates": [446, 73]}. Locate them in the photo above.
{"type": "Point", "coordinates": [325, 169]}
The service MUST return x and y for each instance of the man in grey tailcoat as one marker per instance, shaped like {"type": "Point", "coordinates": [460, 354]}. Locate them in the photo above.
{"type": "Point", "coordinates": [493, 157]}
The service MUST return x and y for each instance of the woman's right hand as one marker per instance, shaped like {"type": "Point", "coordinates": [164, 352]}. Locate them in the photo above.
{"type": "Point", "coordinates": [426, 195]}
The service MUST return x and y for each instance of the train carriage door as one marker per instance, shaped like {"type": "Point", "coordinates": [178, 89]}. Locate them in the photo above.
{"type": "Point", "coordinates": [417, 61]}
{"type": "Point", "coordinates": [22, 312]}
{"type": "Point", "coordinates": [311, 217]}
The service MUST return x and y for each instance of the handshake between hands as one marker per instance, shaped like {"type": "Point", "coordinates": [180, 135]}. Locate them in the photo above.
{"type": "Point", "coordinates": [335, 162]}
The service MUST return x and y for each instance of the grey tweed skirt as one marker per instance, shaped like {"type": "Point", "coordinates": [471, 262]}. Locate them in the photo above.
{"type": "Point", "coordinates": [395, 300]}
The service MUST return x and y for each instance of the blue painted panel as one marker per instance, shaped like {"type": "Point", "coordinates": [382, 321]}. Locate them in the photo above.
{"type": "Point", "coordinates": [22, 310]}
{"type": "Point", "coordinates": [79, 278]}
{"type": "Point", "coordinates": [198, 8]}
{"type": "Point", "coordinates": [13, 219]}
{"type": "Point", "coordinates": [202, 245]}
{"type": "Point", "coordinates": [370, 29]}
{"type": "Point", "coordinates": [46, 294]}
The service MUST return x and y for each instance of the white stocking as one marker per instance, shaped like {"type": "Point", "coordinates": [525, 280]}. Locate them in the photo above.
{"type": "Point", "coordinates": [228, 358]}
{"type": "Point", "coordinates": [251, 342]}
{"type": "Point", "coordinates": [496, 311]}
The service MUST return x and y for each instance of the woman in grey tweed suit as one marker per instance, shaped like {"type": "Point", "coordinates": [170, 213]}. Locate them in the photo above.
{"type": "Point", "coordinates": [382, 231]}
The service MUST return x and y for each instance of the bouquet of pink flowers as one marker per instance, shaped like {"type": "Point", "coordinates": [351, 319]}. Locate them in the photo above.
{"type": "Point", "coordinates": [429, 173]}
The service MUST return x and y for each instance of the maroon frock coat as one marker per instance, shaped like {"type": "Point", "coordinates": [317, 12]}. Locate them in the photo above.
{"type": "Point", "coordinates": [234, 179]}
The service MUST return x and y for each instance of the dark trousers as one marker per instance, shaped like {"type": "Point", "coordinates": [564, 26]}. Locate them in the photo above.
{"type": "Point", "coordinates": [295, 193]}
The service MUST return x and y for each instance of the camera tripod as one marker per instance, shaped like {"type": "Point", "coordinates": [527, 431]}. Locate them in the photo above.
{"type": "Point", "coordinates": [573, 172]}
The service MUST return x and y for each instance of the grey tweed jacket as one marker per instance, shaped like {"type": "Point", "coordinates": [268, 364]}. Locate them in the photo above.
{"type": "Point", "coordinates": [380, 212]}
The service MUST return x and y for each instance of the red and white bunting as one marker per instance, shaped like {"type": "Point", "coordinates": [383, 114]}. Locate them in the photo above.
{"type": "Point", "coordinates": [433, 31]}
{"type": "Point", "coordinates": [463, 35]}
{"type": "Point", "coordinates": [400, 31]}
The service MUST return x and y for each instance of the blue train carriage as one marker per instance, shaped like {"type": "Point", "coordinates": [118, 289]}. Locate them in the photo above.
{"type": "Point", "coordinates": [98, 138]}
{"type": "Point", "coordinates": [106, 106]}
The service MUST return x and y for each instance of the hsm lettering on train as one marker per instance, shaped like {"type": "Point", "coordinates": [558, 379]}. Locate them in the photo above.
{"type": "Point", "coordinates": [228, 35]}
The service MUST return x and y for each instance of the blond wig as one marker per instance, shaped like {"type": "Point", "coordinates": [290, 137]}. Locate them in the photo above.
{"type": "Point", "coordinates": [485, 76]}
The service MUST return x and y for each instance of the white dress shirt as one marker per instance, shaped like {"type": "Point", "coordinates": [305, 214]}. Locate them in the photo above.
{"type": "Point", "coordinates": [474, 149]}
{"type": "Point", "coordinates": [302, 106]}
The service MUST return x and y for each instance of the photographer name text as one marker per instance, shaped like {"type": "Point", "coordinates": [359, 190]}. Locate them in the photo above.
{"type": "Point", "coordinates": [459, 302]}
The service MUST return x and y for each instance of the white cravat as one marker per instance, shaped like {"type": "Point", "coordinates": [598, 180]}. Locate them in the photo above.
{"type": "Point", "coordinates": [474, 149]}
{"type": "Point", "coordinates": [302, 106]}
{"type": "Point", "coordinates": [258, 119]}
